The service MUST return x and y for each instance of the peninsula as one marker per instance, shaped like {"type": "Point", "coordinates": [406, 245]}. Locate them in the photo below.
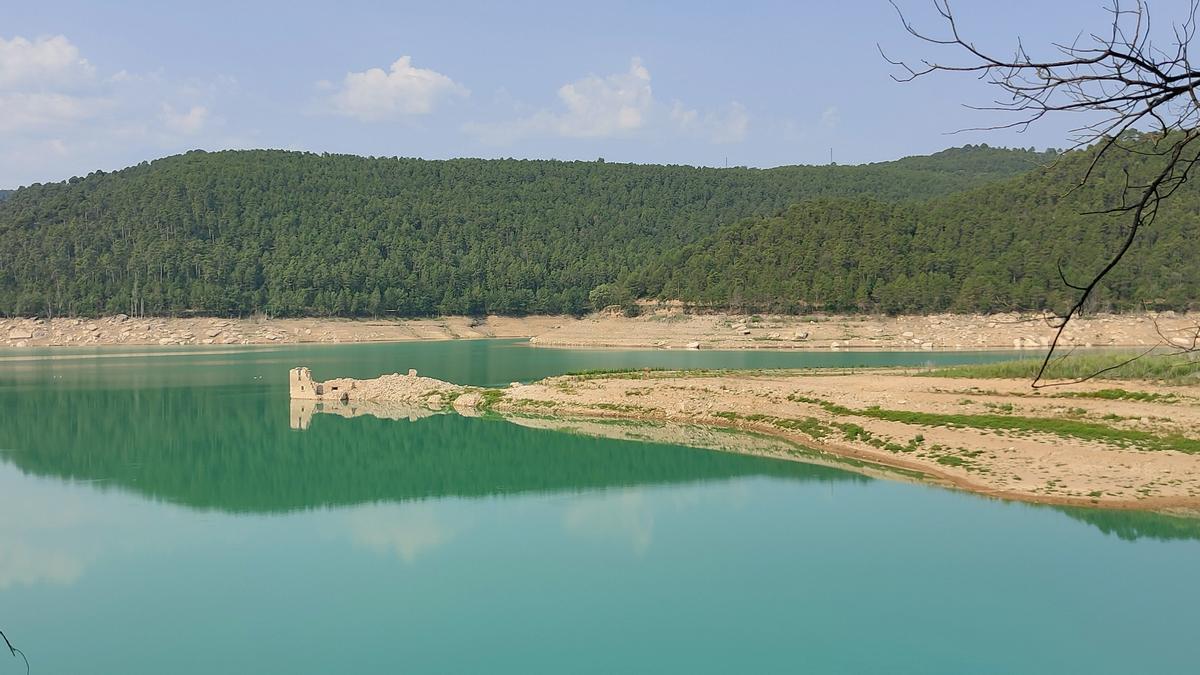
{"type": "Point", "coordinates": [1127, 444]}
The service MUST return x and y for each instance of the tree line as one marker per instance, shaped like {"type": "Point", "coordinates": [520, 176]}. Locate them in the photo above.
{"type": "Point", "coordinates": [287, 233]}
{"type": "Point", "coordinates": [1017, 244]}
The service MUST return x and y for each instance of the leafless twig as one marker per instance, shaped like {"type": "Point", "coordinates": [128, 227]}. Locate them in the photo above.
{"type": "Point", "coordinates": [1137, 98]}
{"type": "Point", "coordinates": [15, 651]}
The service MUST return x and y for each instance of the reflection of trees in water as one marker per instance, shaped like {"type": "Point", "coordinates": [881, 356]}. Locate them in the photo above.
{"type": "Point", "coordinates": [233, 450]}
{"type": "Point", "coordinates": [1136, 525]}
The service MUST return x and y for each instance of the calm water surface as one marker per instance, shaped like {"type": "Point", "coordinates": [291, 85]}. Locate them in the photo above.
{"type": "Point", "coordinates": [160, 516]}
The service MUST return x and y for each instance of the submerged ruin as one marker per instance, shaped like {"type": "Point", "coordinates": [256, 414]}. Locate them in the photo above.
{"type": "Point", "coordinates": [393, 396]}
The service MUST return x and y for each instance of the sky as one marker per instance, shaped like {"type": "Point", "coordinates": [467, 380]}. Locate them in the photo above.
{"type": "Point", "coordinates": [88, 85]}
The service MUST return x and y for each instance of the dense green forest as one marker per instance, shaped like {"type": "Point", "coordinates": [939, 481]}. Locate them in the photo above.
{"type": "Point", "coordinates": [291, 233]}
{"type": "Point", "coordinates": [993, 248]}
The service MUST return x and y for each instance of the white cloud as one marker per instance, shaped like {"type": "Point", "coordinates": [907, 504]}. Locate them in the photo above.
{"type": "Point", "coordinates": [729, 126]}
{"type": "Point", "coordinates": [186, 123]}
{"type": "Point", "coordinates": [42, 63]}
{"type": "Point", "coordinates": [403, 90]}
{"type": "Point", "coordinates": [21, 111]}
{"type": "Point", "coordinates": [621, 105]}
{"type": "Point", "coordinates": [830, 118]}
{"type": "Point", "coordinates": [60, 116]}
{"type": "Point", "coordinates": [605, 106]}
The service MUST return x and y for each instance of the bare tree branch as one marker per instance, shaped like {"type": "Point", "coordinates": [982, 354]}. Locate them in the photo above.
{"type": "Point", "coordinates": [1131, 90]}
{"type": "Point", "coordinates": [15, 651]}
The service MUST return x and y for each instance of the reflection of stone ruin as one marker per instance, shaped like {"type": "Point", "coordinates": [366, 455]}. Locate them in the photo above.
{"type": "Point", "coordinates": [392, 396]}
{"type": "Point", "coordinates": [302, 411]}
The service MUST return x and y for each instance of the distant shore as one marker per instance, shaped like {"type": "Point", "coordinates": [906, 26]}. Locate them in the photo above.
{"type": "Point", "coordinates": [664, 327]}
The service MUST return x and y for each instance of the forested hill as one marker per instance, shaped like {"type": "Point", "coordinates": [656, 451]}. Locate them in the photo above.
{"type": "Point", "coordinates": [297, 233]}
{"type": "Point", "coordinates": [4, 194]}
{"type": "Point", "coordinates": [993, 248]}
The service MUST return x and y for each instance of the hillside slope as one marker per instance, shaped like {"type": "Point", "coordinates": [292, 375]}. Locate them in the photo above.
{"type": "Point", "coordinates": [297, 233]}
{"type": "Point", "coordinates": [992, 248]}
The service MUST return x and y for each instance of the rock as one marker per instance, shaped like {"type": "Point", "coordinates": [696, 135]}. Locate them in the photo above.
{"type": "Point", "coordinates": [533, 339]}
{"type": "Point", "coordinates": [800, 335]}
{"type": "Point", "coordinates": [744, 331]}
{"type": "Point", "coordinates": [120, 318]}
{"type": "Point", "coordinates": [212, 332]}
{"type": "Point", "coordinates": [412, 372]}
{"type": "Point", "coordinates": [927, 346]}
{"type": "Point", "coordinates": [20, 334]}
{"type": "Point", "coordinates": [693, 345]}
{"type": "Point", "coordinates": [91, 327]}
{"type": "Point", "coordinates": [468, 404]}
{"type": "Point", "coordinates": [907, 334]}
{"type": "Point", "coordinates": [165, 341]}
{"type": "Point", "coordinates": [772, 336]}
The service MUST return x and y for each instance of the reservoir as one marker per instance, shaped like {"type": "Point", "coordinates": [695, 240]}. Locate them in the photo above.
{"type": "Point", "coordinates": [161, 515]}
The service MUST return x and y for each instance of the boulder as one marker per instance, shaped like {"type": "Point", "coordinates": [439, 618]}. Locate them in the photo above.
{"type": "Point", "coordinates": [468, 404]}
{"type": "Point", "coordinates": [693, 345]}
{"type": "Point", "coordinates": [20, 334]}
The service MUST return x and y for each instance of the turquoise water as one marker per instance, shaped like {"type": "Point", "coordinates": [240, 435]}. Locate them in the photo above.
{"type": "Point", "coordinates": [162, 517]}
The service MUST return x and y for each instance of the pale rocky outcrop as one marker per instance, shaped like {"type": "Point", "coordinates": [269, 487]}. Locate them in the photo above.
{"type": "Point", "coordinates": [395, 388]}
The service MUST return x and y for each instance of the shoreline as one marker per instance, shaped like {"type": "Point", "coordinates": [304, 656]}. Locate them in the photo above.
{"type": "Point", "coordinates": [991, 437]}
{"type": "Point", "coordinates": [665, 327]}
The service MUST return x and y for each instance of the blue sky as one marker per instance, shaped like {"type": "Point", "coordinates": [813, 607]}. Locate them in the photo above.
{"type": "Point", "coordinates": [91, 85]}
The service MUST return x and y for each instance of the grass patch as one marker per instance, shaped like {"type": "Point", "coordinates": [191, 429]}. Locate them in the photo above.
{"type": "Point", "coordinates": [490, 397]}
{"type": "Point", "coordinates": [613, 373]}
{"type": "Point", "coordinates": [1074, 428]}
{"type": "Point", "coordinates": [1063, 427]}
{"type": "Point", "coordinates": [1170, 368]}
{"type": "Point", "coordinates": [1121, 395]}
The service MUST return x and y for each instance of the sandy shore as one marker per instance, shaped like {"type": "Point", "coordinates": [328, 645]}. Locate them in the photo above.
{"type": "Point", "coordinates": [1138, 449]}
{"type": "Point", "coordinates": [663, 327]}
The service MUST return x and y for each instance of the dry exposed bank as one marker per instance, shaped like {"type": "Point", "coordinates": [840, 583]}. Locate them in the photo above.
{"type": "Point", "coordinates": [661, 327]}
{"type": "Point", "coordinates": [1092, 445]}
